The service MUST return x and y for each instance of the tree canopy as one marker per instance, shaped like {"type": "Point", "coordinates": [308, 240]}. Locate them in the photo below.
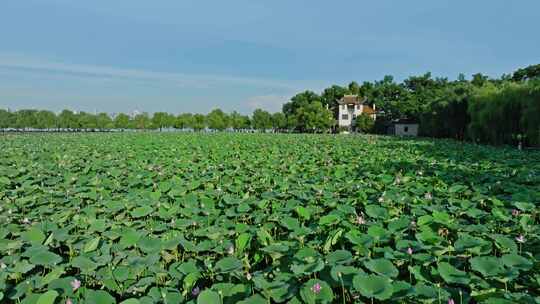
{"type": "Point", "coordinates": [490, 110]}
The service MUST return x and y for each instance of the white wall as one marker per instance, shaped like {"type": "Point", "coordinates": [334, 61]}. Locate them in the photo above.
{"type": "Point", "coordinates": [350, 111]}
{"type": "Point", "coordinates": [406, 129]}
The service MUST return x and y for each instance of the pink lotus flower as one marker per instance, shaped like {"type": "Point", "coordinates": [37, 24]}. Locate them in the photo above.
{"type": "Point", "coordinates": [451, 301]}
{"type": "Point", "coordinates": [68, 301]}
{"type": "Point", "coordinates": [409, 251]}
{"type": "Point", "coordinates": [515, 212]}
{"type": "Point", "coordinates": [195, 291]}
{"type": "Point", "coordinates": [360, 220]}
{"type": "Point", "coordinates": [75, 284]}
{"type": "Point", "coordinates": [316, 288]}
{"type": "Point", "coordinates": [520, 239]}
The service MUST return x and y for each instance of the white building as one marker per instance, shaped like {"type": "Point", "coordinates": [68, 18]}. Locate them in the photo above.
{"type": "Point", "coordinates": [350, 107]}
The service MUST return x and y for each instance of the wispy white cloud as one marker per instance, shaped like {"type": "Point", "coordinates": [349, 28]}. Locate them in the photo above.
{"type": "Point", "coordinates": [30, 64]}
{"type": "Point", "coordinates": [272, 103]}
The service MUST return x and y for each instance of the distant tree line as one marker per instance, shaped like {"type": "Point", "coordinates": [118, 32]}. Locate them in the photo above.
{"type": "Point", "coordinates": [503, 110]}
{"type": "Point", "coordinates": [24, 120]}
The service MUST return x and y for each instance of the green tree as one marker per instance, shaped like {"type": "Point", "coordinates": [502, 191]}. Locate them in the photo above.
{"type": "Point", "coordinates": [87, 121]}
{"type": "Point", "coordinates": [364, 123]}
{"type": "Point", "coordinates": [354, 88]}
{"type": "Point", "coordinates": [479, 79]}
{"type": "Point", "coordinates": [104, 121]}
{"type": "Point", "coordinates": [279, 121]}
{"type": "Point", "coordinates": [331, 96]}
{"type": "Point", "coordinates": [160, 120]}
{"type": "Point", "coordinates": [198, 122]}
{"type": "Point", "coordinates": [239, 121]}
{"type": "Point", "coordinates": [183, 121]}
{"type": "Point", "coordinates": [261, 120]}
{"type": "Point", "coordinates": [314, 117]}
{"type": "Point", "coordinates": [530, 72]}
{"type": "Point", "coordinates": [6, 119]}
{"type": "Point", "coordinates": [46, 120]}
{"type": "Point", "coordinates": [142, 121]}
{"type": "Point", "coordinates": [300, 100]}
{"type": "Point", "coordinates": [67, 120]}
{"type": "Point", "coordinates": [217, 120]}
{"type": "Point", "coordinates": [389, 97]}
{"type": "Point", "coordinates": [121, 121]}
{"type": "Point", "coordinates": [25, 119]}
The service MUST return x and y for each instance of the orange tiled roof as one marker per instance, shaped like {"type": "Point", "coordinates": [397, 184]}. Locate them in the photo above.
{"type": "Point", "coordinates": [351, 99]}
{"type": "Point", "coordinates": [368, 110]}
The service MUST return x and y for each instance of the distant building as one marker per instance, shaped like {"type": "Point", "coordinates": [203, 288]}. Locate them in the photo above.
{"type": "Point", "coordinates": [352, 106]}
{"type": "Point", "coordinates": [403, 127]}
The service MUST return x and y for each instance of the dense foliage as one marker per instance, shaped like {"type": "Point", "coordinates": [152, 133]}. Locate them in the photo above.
{"type": "Point", "coordinates": [491, 111]}
{"type": "Point", "coordinates": [255, 218]}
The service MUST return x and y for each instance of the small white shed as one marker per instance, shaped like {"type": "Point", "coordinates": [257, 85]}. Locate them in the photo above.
{"type": "Point", "coordinates": [404, 127]}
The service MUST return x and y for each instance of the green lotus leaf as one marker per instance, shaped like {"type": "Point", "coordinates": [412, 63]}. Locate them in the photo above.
{"type": "Point", "coordinates": [91, 245]}
{"type": "Point", "coordinates": [303, 212]}
{"type": "Point", "coordinates": [242, 242]}
{"type": "Point", "coordinates": [339, 257]}
{"type": "Point", "coordinates": [316, 291]}
{"type": "Point", "coordinates": [515, 261]}
{"type": "Point", "coordinates": [487, 265]}
{"type": "Point", "coordinates": [149, 244]}
{"type": "Point", "coordinates": [382, 267]}
{"type": "Point", "coordinates": [84, 264]}
{"type": "Point", "coordinates": [48, 298]}
{"type": "Point", "coordinates": [129, 238]}
{"type": "Point", "coordinates": [141, 211]}
{"type": "Point", "coordinates": [45, 258]}
{"type": "Point", "coordinates": [452, 275]}
{"type": "Point", "coordinates": [98, 297]}
{"type": "Point", "coordinates": [376, 211]}
{"type": "Point", "coordinates": [208, 297]}
{"type": "Point", "coordinates": [33, 236]}
{"type": "Point", "coordinates": [254, 299]}
{"type": "Point", "coordinates": [505, 244]}
{"type": "Point", "coordinates": [373, 286]}
{"type": "Point", "coordinates": [228, 264]}
{"type": "Point", "coordinates": [330, 219]}
{"type": "Point", "coordinates": [345, 274]}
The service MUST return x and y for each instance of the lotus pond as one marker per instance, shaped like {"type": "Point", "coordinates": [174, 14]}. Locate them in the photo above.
{"type": "Point", "coordinates": [255, 218]}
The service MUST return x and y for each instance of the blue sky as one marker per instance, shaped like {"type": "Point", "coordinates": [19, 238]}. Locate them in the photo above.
{"type": "Point", "coordinates": [192, 56]}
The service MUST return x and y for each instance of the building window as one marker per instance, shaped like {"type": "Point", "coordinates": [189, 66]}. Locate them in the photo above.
{"type": "Point", "coordinates": [354, 116]}
{"type": "Point", "coordinates": [406, 129]}
{"type": "Point", "coordinates": [345, 117]}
